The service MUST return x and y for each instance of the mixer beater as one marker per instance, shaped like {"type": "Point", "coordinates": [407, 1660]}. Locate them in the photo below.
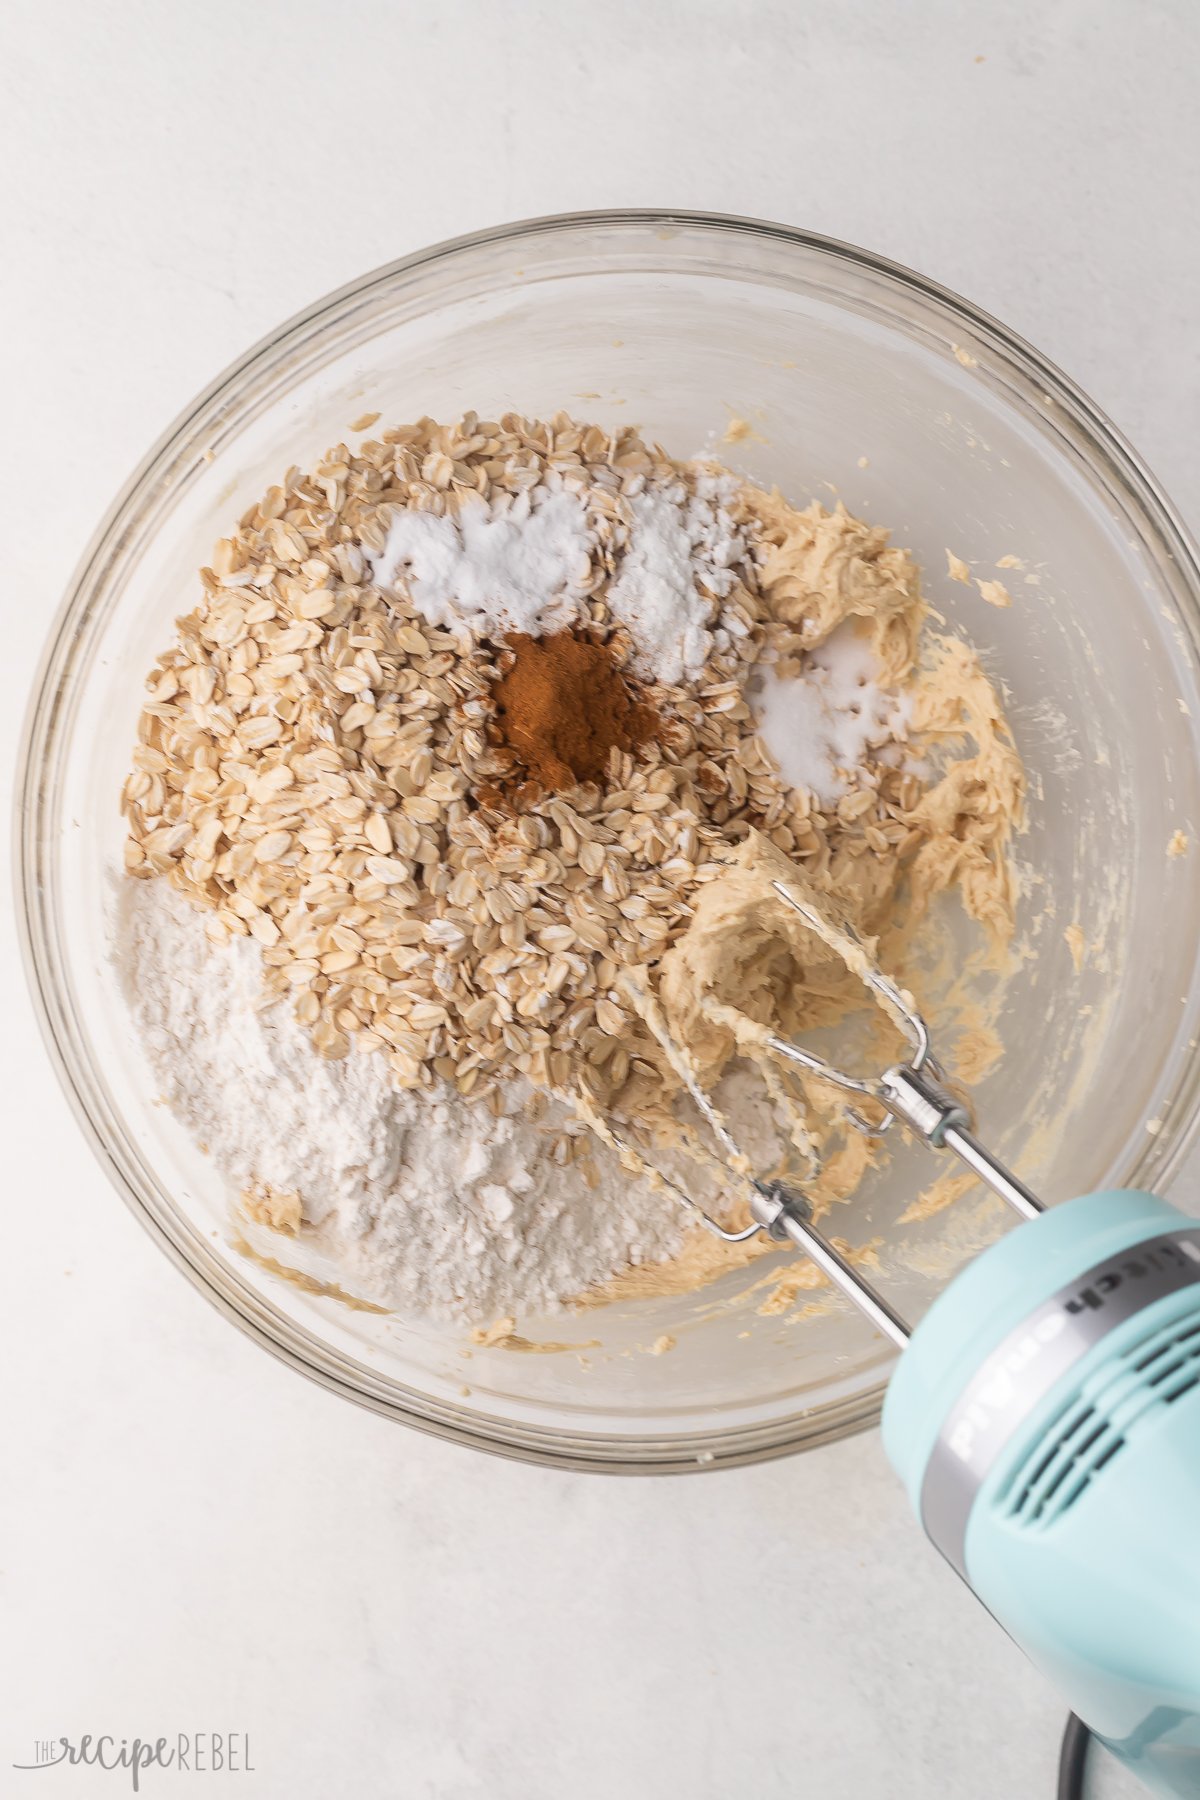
{"type": "Point", "coordinates": [1045, 1413]}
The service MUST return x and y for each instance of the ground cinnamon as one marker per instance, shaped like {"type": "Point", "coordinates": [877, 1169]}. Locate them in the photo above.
{"type": "Point", "coordinates": [563, 705]}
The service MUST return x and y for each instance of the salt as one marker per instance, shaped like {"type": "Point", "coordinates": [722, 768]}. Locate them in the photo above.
{"type": "Point", "coordinates": [820, 725]}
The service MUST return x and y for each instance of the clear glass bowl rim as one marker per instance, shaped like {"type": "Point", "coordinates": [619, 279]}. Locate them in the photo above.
{"type": "Point", "coordinates": [46, 733]}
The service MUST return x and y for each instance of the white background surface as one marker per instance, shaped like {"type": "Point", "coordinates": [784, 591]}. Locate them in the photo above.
{"type": "Point", "coordinates": [193, 1538]}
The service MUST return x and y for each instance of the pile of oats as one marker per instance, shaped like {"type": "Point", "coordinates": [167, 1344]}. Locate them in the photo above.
{"type": "Point", "coordinates": [311, 757]}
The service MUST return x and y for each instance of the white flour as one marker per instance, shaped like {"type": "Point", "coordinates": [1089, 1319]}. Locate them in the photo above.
{"type": "Point", "coordinates": [429, 1205]}
{"type": "Point", "coordinates": [522, 564]}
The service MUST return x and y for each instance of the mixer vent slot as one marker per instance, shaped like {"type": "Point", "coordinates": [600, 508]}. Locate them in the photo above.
{"type": "Point", "coordinates": [1118, 1399]}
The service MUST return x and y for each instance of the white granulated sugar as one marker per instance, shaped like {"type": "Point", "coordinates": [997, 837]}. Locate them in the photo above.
{"type": "Point", "coordinates": [820, 724]}
{"type": "Point", "coordinates": [520, 565]}
{"type": "Point", "coordinates": [425, 1203]}
{"type": "Point", "coordinates": [679, 545]}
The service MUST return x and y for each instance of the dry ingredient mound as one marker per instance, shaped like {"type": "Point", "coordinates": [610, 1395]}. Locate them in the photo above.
{"type": "Point", "coordinates": [422, 1203]}
{"type": "Point", "coordinates": [464, 726]}
{"type": "Point", "coordinates": [562, 705]}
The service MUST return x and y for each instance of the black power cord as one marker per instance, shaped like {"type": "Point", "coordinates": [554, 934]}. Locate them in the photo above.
{"type": "Point", "coordinates": [1072, 1759]}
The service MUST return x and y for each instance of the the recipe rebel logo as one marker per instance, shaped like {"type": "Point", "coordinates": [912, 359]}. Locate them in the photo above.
{"type": "Point", "coordinates": [189, 1753]}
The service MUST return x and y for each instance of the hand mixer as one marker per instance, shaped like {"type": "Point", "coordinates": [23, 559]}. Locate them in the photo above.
{"type": "Point", "coordinates": [1045, 1414]}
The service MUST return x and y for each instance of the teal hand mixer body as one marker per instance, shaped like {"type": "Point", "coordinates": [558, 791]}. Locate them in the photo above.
{"type": "Point", "coordinates": [1045, 1416]}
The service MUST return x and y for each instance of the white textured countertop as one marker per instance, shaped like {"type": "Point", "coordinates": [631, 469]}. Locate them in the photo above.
{"type": "Point", "coordinates": [193, 1538]}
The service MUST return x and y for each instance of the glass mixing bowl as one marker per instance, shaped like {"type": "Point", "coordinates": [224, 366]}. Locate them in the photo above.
{"type": "Point", "coordinates": [857, 377]}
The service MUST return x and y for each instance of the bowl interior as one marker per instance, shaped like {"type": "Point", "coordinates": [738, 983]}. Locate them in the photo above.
{"type": "Point", "coordinates": [854, 382]}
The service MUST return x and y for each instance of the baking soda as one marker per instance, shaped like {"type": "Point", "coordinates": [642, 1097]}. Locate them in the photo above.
{"type": "Point", "coordinates": [520, 567]}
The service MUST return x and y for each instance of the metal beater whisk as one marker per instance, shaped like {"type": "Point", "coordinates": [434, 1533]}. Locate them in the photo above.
{"type": "Point", "coordinates": [909, 1091]}
{"type": "Point", "coordinates": [1046, 1422]}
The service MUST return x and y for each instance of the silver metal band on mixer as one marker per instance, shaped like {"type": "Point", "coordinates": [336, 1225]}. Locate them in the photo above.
{"type": "Point", "coordinates": [1027, 1363]}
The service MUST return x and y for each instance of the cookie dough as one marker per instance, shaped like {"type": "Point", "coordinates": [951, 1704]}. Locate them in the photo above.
{"type": "Point", "coordinates": [750, 965]}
